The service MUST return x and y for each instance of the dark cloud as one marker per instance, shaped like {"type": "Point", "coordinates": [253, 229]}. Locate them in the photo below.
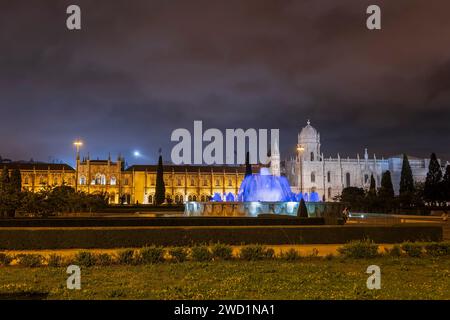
{"type": "Point", "coordinates": [140, 69]}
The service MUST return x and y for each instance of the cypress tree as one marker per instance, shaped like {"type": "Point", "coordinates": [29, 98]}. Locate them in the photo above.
{"type": "Point", "coordinates": [302, 211]}
{"type": "Point", "coordinates": [160, 188]}
{"type": "Point", "coordinates": [16, 181]}
{"type": "Point", "coordinates": [446, 184]}
{"type": "Point", "coordinates": [406, 179]}
{"type": "Point", "coordinates": [373, 186]}
{"type": "Point", "coordinates": [432, 189]}
{"type": "Point", "coordinates": [248, 166]}
{"type": "Point", "coordinates": [386, 189]}
{"type": "Point", "coordinates": [4, 179]}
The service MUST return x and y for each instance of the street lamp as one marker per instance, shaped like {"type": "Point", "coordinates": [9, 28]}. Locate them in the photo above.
{"type": "Point", "coordinates": [300, 149]}
{"type": "Point", "coordinates": [78, 144]}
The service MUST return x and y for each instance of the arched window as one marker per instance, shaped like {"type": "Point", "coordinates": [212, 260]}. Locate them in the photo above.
{"type": "Point", "coordinates": [329, 193]}
{"type": "Point", "coordinates": [203, 198]}
{"type": "Point", "coordinates": [366, 178]}
{"type": "Point", "coordinates": [329, 177]}
{"type": "Point", "coordinates": [192, 182]}
{"type": "Point", "coordinates": [178, 182]}
{"type": "Point", "coordinates": [190, 198]}
{"type": "Point", "coordinates": [41, 180]}
{"type": "Point", "coordinates": [217, 182]}
{"type": "Point", "coordinates": [150, 199]}
{"type": "Point", "coordinates": [347, 179]}
{"type": "Point", "coordinates": [25, 180]}
{"type": "Point", "coordinates": [312, 156]}
{"type": "Point", "coordinates": [82, 180]}
{"type": "Point", "coordinates": [100, 179]}
{"type": "Point", "coordinates": [194, 198]}
{"type": "Point", "coordinates": [177, 198]}
{"type": "Point", "coordinates": [125, 182]}
{"type": "Point", "coordinates": [205, 182]}
{"type": "Point", "coordinates": [113, 181]}
{"type": "Point", "coordinates": [230, 183]}
{"type": "Point", "coordinates": [313, 177]}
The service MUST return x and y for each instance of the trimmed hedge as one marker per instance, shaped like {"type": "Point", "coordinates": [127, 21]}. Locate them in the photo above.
{"type": "Point", "coordinates": [359, 249]}
{"type": "Point", "coordinates": [275, 220]}
{"type": "Point", "coordinates": [84, 238]}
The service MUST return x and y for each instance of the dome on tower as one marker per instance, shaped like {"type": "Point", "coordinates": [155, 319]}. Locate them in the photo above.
{"type": "Point", "coordinates": [308, 132]}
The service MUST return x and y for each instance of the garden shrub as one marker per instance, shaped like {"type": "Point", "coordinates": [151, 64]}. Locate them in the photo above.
{"type": "Point", "coordinates": [314, 253]}
{"type": "Point", "coordinates": [437, 249]}
{"type": "Point", "coordinates": [178, 254]}
{"type": "Point", "coordinates": [84, 259]}
{"type": "Point", "coordinates": [30, 260]}
{"type": "Point", "coordinates": [395, 251]}
{"type": "Point", "coordinates": [359, 249]}
{"type": "Point", "coordinates": [5, 259]}
{"type": "Point", "coordinates": [201, 253]}
{"type": "Point", "coordinates": [103, 259]}
{"type": "Point", "coordinates": [55, 260]}
{"type": "Point", "coordinates": [222, 252]}
{"type": "Point", "coordinates": [127, 257]}
{"type": "Point", "coordinates": [255, 252]}
{"type": "Point", "coordinates": [152, 254]}
{"type": "Point", "coordinates": [290, 255]}
{"type": "Point", "coordinates": [413, 249]}
{"type": "Point", "coordinates": [329, 256]}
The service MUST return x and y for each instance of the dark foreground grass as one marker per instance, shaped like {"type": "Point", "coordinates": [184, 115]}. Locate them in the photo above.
{"type": "Point", "coordinates": [308, 278]}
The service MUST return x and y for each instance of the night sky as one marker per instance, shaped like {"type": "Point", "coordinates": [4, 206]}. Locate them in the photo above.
{"type": "Point", "coordinates": [140, 69]}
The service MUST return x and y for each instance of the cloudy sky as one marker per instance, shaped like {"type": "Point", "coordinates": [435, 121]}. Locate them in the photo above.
{"type": "Point", "coordinates": [140, 69]}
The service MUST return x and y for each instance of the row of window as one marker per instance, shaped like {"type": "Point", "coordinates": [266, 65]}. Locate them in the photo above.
{"type": "Point", "coordinates": [100, 179]}
{"type": "Point", "coordinates": [43, 181]}
{"type": "Point", "coordinates": [347, 178]}
{"type": "Point", "coordinates": [205, 182]}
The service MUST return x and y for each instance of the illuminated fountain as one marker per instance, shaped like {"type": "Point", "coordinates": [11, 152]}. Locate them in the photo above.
{"type": "Point", "coordinates": [266, 192]}
{"type": "Point", "coordinates": [262, 193]}
{"type": "Point", "coordinates": [265, 187]}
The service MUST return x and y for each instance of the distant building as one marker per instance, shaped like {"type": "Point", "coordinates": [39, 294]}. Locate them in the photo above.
{"type": "Point", "coordinates": [38, 176]}
{"type": "Point", "coordinates": [135, 184]}
{"type": "Point", "coordinates": [310, 171]}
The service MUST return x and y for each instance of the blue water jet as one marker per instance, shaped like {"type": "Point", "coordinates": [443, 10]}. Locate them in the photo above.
{"type": "Point", "coordinates": [266, 188]}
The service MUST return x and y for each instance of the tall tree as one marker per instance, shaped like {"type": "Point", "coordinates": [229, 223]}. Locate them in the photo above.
{"type": "Point", "coordinates": [373, 186]}
{"type": "Point", "coordinates": [446, 184]}
{"type": "Point", "coordinates": [248, 166]}
{"type": "Point", "coordinates": [16, 181]}
{"type": "Point", "coordinates": [160, 189]}
{"type": "Point", "coordinates": [387, 189]}
{"type": "Point", "coordinates": [4, 179]}
{"type": "Point", "coordinates": [432, 190]}
{"type": "Point", "coordinates": [302, 211]}
{"type": "Point", "coordinates": [386, 193]}
{"type": "Point", "coordinates": [406, 179]}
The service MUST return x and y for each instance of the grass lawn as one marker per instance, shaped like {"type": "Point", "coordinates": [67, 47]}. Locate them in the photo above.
{"type": "Point", "coordinates": [308, 278]}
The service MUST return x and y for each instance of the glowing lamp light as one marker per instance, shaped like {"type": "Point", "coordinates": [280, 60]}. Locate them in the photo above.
{"type": "Point", "coordinates": [136, 154]}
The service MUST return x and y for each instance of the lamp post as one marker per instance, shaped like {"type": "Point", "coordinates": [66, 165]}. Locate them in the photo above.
{"type": "Point", "coordinates": [78, 144]}
{"type": "Point", "coordinates": [300, 150]}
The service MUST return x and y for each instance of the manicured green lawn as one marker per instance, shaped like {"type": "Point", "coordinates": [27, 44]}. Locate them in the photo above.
{"type": "Point", "coordinates": [309, 278]}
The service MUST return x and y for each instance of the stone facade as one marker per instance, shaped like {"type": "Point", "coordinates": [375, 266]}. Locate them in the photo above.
{"type": "Point", "coordinates": [311, 171]}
